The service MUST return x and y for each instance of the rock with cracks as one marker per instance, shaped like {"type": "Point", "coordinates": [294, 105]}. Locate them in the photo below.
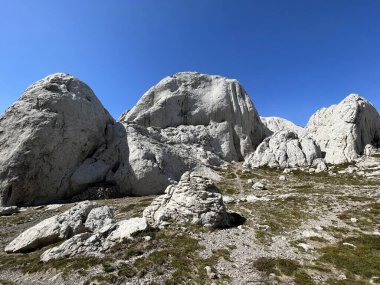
{"type": "Point", "coordinates": [54, 229]}
{"type": "Point", "coordinates": [193, 200]}
{"type": "Point", "coordinates": [188, 121]}
{"type": "Point", "coordinates": [343, 131]}
{"type": "Point", "coordinates": [55, 141]}
{"type": "Point", "coordinates": [284, 149]}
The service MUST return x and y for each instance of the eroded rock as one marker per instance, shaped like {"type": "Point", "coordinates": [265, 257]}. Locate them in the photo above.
{"type": "Point", "coordinates": [284, 149]}
{"type": "Point", "coordinates": [342, 131]}
{"type": "Point", "coordinates": [55, 141]}
{"type": "Point", "coordinates": [54, 229]}
{"type": "Point", "coordinates": [193, 200]}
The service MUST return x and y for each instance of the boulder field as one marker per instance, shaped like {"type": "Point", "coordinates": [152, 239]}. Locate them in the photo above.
{"type": "Point", "coordinates": [58, 142]}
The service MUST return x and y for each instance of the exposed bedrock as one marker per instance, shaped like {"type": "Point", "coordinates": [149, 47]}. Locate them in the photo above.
{"type": "Point", "coordinates": [342, 131]}
{"type": "Point", "coordinates": [55, 141]}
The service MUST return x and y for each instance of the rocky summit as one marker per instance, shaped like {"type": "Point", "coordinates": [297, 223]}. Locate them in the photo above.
{"type": "Point", "coordinates": [190, 186]}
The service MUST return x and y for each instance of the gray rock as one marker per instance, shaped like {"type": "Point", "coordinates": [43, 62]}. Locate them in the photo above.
{"type": "Point", "coordinates": [157, 159]}
{"type": "Point", "coordinates": [369, 150]}
{"type": "Point", "coordinates": [7, 211]}
{"type": "Point", "coordinates": [126, 228]}
{"type": "Point", "coordinates": [342, 131]}
{"type": "Point", "coordinates": [259, 186]}
{"type": "Point", "coordinates": [53, 229]}
{"type": "Point", "coordinates": [84, 244]}
{"type": "Point", "coordinates": [282, 178]}
{"type": "Point", "coordinates": [276, 124]}
{"type": "Point", "coordinates": [194, 99]}
{"type": "Point", "coordinates": [98, 218]}
{"type": "Point", "coordinates": [193, 200]}
{"type": "Point", "coordinates": [284, 149]}
{"type": "Point", "coordinates": [55, 141]}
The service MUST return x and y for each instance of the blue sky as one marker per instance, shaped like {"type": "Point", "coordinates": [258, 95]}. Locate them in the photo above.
{"type": "Point", "coordinates": [292, 56]}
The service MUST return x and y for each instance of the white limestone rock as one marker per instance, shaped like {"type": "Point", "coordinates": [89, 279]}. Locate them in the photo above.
{"type": "Point", "coordinates": [369, 150]}
{"type": "Point", "coordinates": [54, 229]}
{"type": "Point", "coordinates": [194, 99]}
{"type": "Point", "coordinates": [99, 218]}
{"type": "Point", "coordinates": [259, 186]}
{"type": "Point", "coordinates": [84, 244]}
{"type": "Point", "coordinates": [126, 228]}
{"type": "Point", "coordinates": [342, 131]}
{"type": "Point", "coordinates": [193, 200]}
{"type": "Point", "coordinates": [276, 124]}
{"type": "Point", "coordinates": [284, 149]}
{"type": "Point", "coordinates": [51, 141]}
{"type": "Point", "coordinates": [157, 159]}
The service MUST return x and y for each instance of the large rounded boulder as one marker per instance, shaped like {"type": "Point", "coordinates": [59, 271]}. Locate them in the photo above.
{"type": "Point", "coordinates": [190, 98]}
{"type": "Point", "coordinates": [342, 131]}
{"type": "Point", "coordinates": [55, 141]}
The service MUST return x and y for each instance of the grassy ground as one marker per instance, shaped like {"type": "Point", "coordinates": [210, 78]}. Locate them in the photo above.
{"type": "Point", "coordinates": [309, 229]}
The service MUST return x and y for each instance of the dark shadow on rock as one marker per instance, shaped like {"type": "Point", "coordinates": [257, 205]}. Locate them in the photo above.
{"type": "Point", "coordinates": [234, 220]}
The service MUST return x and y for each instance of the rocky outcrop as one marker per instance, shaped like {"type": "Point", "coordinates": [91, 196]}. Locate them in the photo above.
{"type": "Point", "coordinates": [53, 229]}
{"type": "Point", "coordinates": [193, 200]}
{"type": "Point", "coordinates": [276, 124]}
{"type": "Point", "coordinates": [55, 141]}
{"type": "Point", "coordinates": [342, 131]}
{"type": "Point", "coordinates": [194, 99]}
{"type": "Point", "coordinates": [158, 157]}
{"type": "Point", "coordinates": [84, 244]}
{"type": "Point", "coordinates": [284, 149]}
{"type": "Point", "coordinates": [188, 122]}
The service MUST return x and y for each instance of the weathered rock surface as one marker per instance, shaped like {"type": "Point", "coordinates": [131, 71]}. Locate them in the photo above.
{"type": "Point", "coordinates": [276, 124]}
{"type": "Point", "coordinates": [53, 229]}
{"type": "Point", "coordinates": [126, 228]}
{"type": "Point", "coordinates": [193, 200]}
{"type": "Point", "coordinates": [98, 218]}
{"type": "Point", "coordinates": [194, 99]}
{"type": "Point", "coordinates": [284, 149]}
{"type": "Point", "coordinates": [158, 157]}
{"type": "Point", "coordinates": [55, 141]}
{"type": "Point", "coordinates": [188, 122]}
{"type": "Point", "coordinates": [342, 131]}
{"type": "Point", "coordinates": [84, 244]}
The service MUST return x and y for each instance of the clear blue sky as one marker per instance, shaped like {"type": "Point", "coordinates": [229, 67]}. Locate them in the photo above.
{"type": "Point", "coordinates": [292, 56]}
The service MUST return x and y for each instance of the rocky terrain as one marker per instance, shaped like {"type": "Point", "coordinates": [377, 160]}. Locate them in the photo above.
{"type": "Point", "coordinates": [191, 186]}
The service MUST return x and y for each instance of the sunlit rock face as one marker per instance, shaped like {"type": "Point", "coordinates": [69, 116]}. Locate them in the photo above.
{"type": "Point", "coordinates": [342, 131]}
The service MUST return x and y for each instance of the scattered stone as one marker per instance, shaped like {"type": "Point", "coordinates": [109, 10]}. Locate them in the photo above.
{"type": "Point", "coordinates": [353, 220]}
{"type": "Point", "coordinates": [282, 178]}
{"type": "Point", "coordinates": [259, 186]}
{"type": "Point", "coordinates": [349, 244]}
{"type": "Point", "coordinates": [228, 199]}
{"type": "Point", "coordinates": [369, 150]}
{"type": "Point", "coordinates": [305, 246]}
{"type": "Point", "coordinates": [7, 211]}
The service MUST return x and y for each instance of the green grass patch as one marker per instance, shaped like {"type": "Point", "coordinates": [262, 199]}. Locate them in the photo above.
{"type": "Point", "coordinates": [361, 263]}
{"type": "Point", "coordinates": [283, 268]}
